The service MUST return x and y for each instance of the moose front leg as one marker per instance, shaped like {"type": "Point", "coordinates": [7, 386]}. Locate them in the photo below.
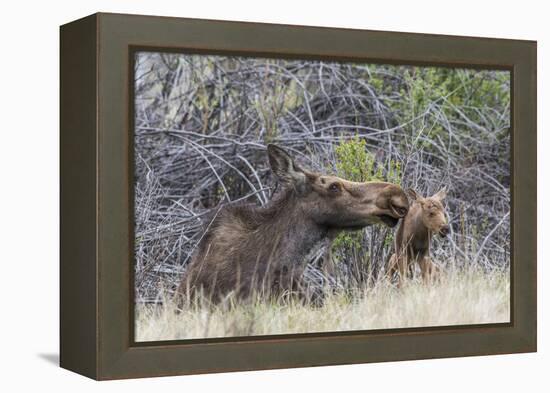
{"type": "Point", "coordinates": [429, 269]}
{"type": "Point", "coordinates": [397, 264]}
{"type": "Point", "coordinates": [403, 266]}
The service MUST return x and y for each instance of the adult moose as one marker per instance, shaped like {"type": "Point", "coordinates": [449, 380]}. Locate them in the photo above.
{"type": "Point", "coordinates": [425, 218]}
{"type": "Point", "coordinates": [247, 248]}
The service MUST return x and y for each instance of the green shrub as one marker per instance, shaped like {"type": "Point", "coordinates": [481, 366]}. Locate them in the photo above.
{"type": "Point", "coordinates": [354, 162]}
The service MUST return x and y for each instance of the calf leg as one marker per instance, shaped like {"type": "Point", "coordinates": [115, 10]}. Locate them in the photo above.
{"type": "Point", "coordinates": [403, 266]}
{"type": "Point", "coordinates": [391, 267]}
{"type": "Point", "coordinates": [429, 269]}
{"type": "Point", "coordinates": [398, 264]}
{"type": "Point", "coordinates": [411, 270]}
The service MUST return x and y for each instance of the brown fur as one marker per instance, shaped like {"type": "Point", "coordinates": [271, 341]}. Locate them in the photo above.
{"type": "Point", "coordinates": [246, 248]}
{"type": "Point", "coordinates": [425, 218]}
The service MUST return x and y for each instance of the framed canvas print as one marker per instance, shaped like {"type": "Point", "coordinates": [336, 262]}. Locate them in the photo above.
{"type": "Point", "coordinates": [240, 196]}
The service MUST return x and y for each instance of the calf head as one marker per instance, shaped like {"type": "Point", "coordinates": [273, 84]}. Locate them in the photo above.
{"type": "Point", "coordinates": [432, 211]}
{"type": "Point", "coordinates": [334, 202]}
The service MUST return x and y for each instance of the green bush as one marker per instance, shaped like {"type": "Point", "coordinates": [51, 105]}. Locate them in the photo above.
{"type": "Point", "coordinates": [354, 162]}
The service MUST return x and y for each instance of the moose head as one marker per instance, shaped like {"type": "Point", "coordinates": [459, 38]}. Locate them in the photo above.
{"type": "Point", "coordinates": [337, 203]}
{"type": "Point", "coordinates": [432, 211]}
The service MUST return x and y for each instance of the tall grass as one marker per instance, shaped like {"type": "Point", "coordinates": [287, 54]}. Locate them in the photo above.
{"type": "Point", "coordinates": [460, 296]}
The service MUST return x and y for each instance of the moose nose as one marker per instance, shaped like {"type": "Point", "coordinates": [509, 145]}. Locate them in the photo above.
{"type": "Point", "coordinates": [444, 230]}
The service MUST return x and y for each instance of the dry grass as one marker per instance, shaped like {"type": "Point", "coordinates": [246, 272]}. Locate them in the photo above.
{"type": "Point", "coordinates": [460, 297]}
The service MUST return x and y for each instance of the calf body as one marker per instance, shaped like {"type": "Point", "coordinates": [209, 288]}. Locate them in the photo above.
{"type": "Point", "coordinates": [425, 218]}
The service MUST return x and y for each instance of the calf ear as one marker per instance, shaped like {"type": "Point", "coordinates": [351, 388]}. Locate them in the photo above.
{"type": "Point", "coordinates": [441, 194]}
{"type": "Point", "coordinates": [284, 167]}
{"type": "Point", "coordinates": [413, 195]}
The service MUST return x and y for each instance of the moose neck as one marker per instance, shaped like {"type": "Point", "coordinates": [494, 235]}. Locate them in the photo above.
{"type": "Point", "coordinates": [419, 228]}
{"type": "Point", "coordinates": [290, 232]}
{"type": "Point", "coordinates": [417, 235]}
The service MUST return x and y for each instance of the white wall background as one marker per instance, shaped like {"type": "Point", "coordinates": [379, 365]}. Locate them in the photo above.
{"type": "Point", "coordinates": [29, 193]}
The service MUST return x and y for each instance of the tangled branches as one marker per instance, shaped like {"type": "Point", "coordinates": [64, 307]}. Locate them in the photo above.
{"type": "Point", "coordinates": [202, 124]}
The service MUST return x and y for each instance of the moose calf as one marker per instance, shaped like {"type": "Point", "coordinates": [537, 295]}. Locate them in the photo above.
{"type": "Point", "coordinates": [425, 218]}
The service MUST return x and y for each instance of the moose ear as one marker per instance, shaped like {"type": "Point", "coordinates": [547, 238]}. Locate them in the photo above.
{"type": "Point", "coordinates": [284, 167]}
{"type": "Point", "coordinates": [413, 195]}
{"type": "Point", "coordinates": [441, 194]}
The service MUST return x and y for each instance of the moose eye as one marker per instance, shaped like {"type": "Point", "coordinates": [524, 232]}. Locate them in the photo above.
{"type": "Point", "coordinates": [334, 187]}
{"type": "Point", "coordinates": [401, 210]}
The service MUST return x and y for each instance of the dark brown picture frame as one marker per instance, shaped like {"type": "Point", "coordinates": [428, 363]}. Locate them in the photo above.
{"type": "Point", "coordinates": [97, 193]}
